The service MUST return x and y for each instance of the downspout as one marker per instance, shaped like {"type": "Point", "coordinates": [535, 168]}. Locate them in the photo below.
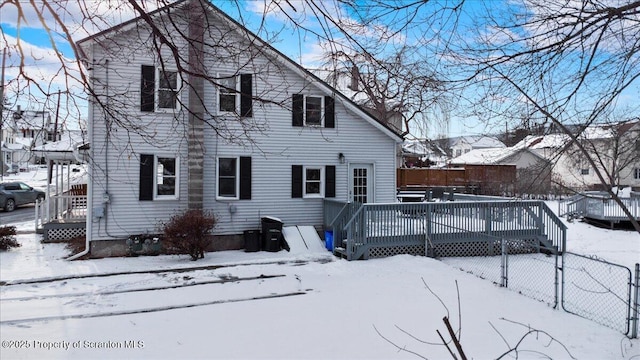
{"type": "Point", "coordinates": [89, 219]}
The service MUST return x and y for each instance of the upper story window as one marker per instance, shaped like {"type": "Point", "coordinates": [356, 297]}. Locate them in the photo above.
{"type": "Point", "coordinates": [228, 95]}
{"type": "Point", "coordinates": [311, 110]}
{"type": "Point", "coordinates": [159, 89]}
{"type": "Point", "coordinates": [584, 171]}
{"type": "Point", "coordinates": [636, 173]}
{"type": "Point", "coordinates": [167, 89]}
{"type": "Point", "coordinates": [235, 95]}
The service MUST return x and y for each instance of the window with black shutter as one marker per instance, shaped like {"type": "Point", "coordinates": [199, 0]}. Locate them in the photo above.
{"type": "Point", "coordinates": [234, 178]}
{"type": "Point", "coordinates": [316, 111]}
{"type": "Point", "coordinates": [313, 181]}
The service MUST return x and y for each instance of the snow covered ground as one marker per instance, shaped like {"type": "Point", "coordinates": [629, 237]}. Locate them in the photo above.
{"type": "Point", "coordinates": [303, 304]}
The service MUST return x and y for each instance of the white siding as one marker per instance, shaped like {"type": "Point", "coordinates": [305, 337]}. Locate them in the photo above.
{"type": "Point", "coordinates": [274, 145]}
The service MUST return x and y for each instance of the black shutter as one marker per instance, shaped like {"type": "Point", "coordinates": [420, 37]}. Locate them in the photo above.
{"type": "Point", "coordinates": [245, 178]}
{"type": "Point", "coordinates": [146, 177]}
{"type": "Point", "coordinates": [296, 181]}
{"type": "Point", "coordinates": [298, 110]}
{"type": "Point", "coordinates": [330, 181]}
{"type": "Point", "coordinates": [147, 88]}
{"type": "Point", "coordinates": [329, 112]}
{"type": "Point", "coordinates": [246, 95]}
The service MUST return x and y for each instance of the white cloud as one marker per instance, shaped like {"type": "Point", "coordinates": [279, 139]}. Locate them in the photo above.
{"type": "Point", "coordinates": [81, 18]}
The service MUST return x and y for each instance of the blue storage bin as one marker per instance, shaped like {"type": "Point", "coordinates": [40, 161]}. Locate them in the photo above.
{"type": "Point", "coordinates": [328, 239]}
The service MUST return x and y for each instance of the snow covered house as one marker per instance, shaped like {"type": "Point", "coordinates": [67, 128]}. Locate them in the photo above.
{"type": "Point", "coordinates": [463, 144]}
{"type": "Point", "coordinates": [615, 149]}
{"type": "Point", "coordinates": [533, 172]}
{"type": "Point", "coordinates": [22, 130]}
{"type": "Point", "coordinates": [223, 122]}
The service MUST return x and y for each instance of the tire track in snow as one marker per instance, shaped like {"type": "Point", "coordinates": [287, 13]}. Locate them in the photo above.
{"type": "Point", "coordinates": [159, 271]}
{"type": "Point", "coordinates": [154, 288]}
{"type": "Point", "coordinates": [151, 310]}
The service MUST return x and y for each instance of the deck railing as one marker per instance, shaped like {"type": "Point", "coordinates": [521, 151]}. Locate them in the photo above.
{"type": "Point", "coordinates": [431, 224]}
{"type": "Point", "coordinates": [336, 216]}
{"type": "Point", "coordinates": [61, 208]}
{"type": "Point", "coordinates": [599, 205]}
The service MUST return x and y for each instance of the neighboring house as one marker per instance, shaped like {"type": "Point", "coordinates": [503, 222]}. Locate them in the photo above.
{"type": "Point", "coordinates": [533, 172]}
{"type": "Point", "coordinates": [310, 143]}
{"type": "Point", "coordinates": [461, 145]}
{"type": "Point", "coordinates": [422, 153]}
{"type": "Point", "coordinates": [65, 149]}
{"type": "Point", "coordinates": [23, 130]}
{"type": "Point", "coordinates": [614, 147]}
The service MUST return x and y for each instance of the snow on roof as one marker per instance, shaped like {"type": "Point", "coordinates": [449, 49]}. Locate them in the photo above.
{"type": "Point", "coordinates": [24, 141]}
{"type": "Point", "coordinates": [68, 143]}
{"type": "Point", "coordinates": [416, 147]}
{"type": "Point", "coordinates": [14, 146]}
{"type": "Point", "coordinates": [598, 132]}
{"type": "Point", "coordinates": [484, 156]}
{"type": "Point", "coordinates": [543, 142]}
{"type": "Point", "coordinates": [478, 141]}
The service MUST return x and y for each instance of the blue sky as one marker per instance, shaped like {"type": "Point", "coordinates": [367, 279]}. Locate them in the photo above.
{"type": "Point", "coordinates": [41, 62]}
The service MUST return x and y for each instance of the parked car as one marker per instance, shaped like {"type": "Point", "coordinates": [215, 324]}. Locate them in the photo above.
{"type": "Point", "coordinates": [13, 194]}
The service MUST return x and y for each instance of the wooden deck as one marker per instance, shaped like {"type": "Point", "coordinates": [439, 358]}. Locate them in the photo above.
{"type": "Point", "coordinates": [444, 228]}
{"type": "Point", "coordinates": [598, 206]}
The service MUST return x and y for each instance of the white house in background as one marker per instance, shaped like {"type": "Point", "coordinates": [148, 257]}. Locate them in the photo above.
{"type": "Point", "coordinates": [423, 153]}
{"type": "Point", "coordinates": [23, 130]}
{"type": "Point", "coordinates": [533, 172]}
{"type": "Point", "coordinates": [311, 142]}
{"type": "Point", "coordinates": [612, 143]}
{"type": "Point", "coordinates": [463, 144]}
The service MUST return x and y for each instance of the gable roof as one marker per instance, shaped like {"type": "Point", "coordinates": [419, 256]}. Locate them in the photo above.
{"type": "Point", "coordinates": [477, 141]}
{"type": "Point", "coordinates": [492, 156]}
{"type": "Point", "coordinates": [267, 49]}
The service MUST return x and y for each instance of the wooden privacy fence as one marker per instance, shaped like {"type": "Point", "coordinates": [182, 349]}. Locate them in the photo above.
{"type": "Point", "coordinates": [481, 179]}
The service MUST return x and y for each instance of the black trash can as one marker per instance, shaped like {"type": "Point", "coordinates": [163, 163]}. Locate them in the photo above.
{"type": "Point", "coordinates": [251, 240]}
{"type": "Point", "coordinates": [271, 233]}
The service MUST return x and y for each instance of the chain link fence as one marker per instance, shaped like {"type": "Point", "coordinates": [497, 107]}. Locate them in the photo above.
{"type": "Point", "coordinates": [520, 265]}
{"type": "Point", "coordinates": [591, 288]}
{"type": "Point", "coordinates": [597, 290]}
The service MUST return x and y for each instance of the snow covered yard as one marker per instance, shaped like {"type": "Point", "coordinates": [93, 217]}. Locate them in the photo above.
{"type": "Point", "coordinates": [303, 304]}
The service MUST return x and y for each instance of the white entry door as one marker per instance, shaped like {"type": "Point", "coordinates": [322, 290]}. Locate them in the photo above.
{"type": "Point", "coordinates": [361, 183]}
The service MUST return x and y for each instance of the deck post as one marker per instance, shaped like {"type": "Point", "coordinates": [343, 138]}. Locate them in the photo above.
{"type": "Point", "coordinates": [504, 263]}
{"type": "Point", "coordinates": [634, 316]}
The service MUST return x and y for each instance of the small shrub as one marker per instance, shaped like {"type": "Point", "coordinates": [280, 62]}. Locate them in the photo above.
{"type": "Point", "coordinates": [188, 233]}
{"type": "Point", "coordinates": [8, 238]}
